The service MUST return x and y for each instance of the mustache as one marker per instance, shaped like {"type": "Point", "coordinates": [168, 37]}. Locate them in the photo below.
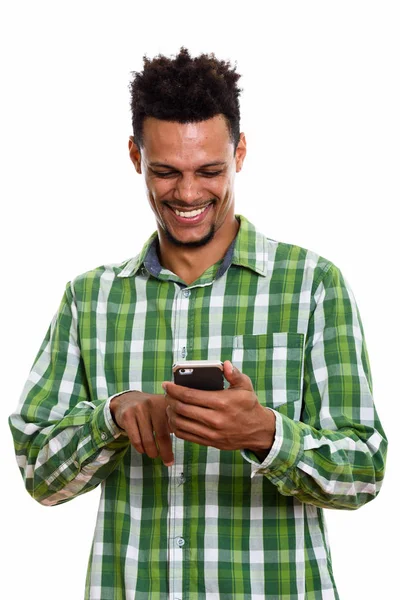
{"type": "Point", "coordinates": [178, 204]}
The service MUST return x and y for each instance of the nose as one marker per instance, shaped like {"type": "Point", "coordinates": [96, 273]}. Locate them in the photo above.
{"type": "Point", "coordinates": [187, 188]}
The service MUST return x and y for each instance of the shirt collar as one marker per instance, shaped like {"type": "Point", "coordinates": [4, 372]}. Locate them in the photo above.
{"type": "Point", "coordinates": [248, 249]}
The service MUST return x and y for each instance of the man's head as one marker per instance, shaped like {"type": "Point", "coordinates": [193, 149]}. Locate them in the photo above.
{"type": "Point", "coordinates": [187, 143]}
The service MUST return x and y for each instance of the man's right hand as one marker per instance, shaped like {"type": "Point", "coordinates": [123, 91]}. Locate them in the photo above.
{"type": "Point", "coordinates": [139, 415]}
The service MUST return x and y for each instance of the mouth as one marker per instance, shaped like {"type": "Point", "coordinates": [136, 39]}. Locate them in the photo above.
{"type": "Point", "coordinates": [191, 217]}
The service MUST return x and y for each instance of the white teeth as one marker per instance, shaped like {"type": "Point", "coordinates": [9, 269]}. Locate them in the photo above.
{"type": "Point", "coordinates": [191, 213]}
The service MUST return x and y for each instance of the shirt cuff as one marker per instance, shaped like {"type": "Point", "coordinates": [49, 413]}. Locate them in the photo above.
{"type": "Point", "coordinates": [284, 453]}
{"type": "Point", "coordinates": [104, 427]}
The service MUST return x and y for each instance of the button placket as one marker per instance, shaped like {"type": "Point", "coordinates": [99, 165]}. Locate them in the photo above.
{"type": "Point", "coordinates": [177, 547]}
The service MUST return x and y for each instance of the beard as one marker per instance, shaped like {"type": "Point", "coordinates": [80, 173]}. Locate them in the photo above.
{"type": "Point", "coordinates": [196, 244]}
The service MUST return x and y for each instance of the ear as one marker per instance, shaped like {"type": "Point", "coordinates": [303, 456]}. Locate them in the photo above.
{"type": "Point", "coordinates": [240, 153]}
{"type": "Point", "coordinates": [134, 154]}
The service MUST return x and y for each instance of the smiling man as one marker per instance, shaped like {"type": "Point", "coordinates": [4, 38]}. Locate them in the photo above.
{"type": "Point", "coordinates": [205, 495]}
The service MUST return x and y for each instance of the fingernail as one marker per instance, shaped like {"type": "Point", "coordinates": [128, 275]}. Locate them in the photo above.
{"type": "Point", "coordinates": [164, 387]}
{"type": "Point", "coordinates": [169, 464]}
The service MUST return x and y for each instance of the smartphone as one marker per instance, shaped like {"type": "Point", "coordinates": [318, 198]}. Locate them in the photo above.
{"type": "Point", "coordinates": [205, 375]}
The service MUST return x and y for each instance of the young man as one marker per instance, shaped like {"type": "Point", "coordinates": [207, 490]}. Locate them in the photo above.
{"type": "Point", "coordinates": [205, 495]}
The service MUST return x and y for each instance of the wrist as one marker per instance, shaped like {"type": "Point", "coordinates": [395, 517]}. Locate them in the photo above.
{"type": "Point", "coordinates": [261, 454]}
{"type": "Point", "coordinates": [113, 408]}
{"type": "Point", "coordinates": [266, 436]}
{"type": "Point", "coordinates": [115, 404]}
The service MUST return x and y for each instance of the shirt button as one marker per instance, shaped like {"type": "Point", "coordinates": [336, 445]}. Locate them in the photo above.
{"type": "Point", "coordinates": [186, 293]}
{"type": "Point", "coordinates": [180, 542]}
{"type": "Point", "coordinates": [103, 436]}
{"type": "Point", "coordinates": [181, 479]}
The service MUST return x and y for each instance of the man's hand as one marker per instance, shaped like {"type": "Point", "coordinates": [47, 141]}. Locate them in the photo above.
{"type": "Point", "coordinates": [229, 419]}
{"type": "Point", "coordinates": [139, 415]}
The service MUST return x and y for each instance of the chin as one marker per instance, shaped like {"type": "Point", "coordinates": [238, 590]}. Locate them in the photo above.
{"type": "Point", "coordinates": [191, 244]}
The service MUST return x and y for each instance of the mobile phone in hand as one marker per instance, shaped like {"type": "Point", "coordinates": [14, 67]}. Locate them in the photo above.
{"type": "Point", "coordinates": [199, 374]}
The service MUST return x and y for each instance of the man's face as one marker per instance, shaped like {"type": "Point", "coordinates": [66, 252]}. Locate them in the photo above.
{"type": "Point", "coordinates": [189, 171]}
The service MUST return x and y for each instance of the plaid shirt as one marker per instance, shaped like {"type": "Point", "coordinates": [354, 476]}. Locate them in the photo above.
{"type": "Point", "coordinates": [218, 524]}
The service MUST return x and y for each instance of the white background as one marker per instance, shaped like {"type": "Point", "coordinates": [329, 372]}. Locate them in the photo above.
{"type": "Point", "coordinates": [320, 109]}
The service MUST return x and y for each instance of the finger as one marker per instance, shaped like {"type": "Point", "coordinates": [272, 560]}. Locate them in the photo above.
{"type": "Point", "coordinates": [196, 439]}
{"type": "Point", "coordinates": [163, 438]}
{"type": "Point", "coordinates": [145, 426]}
{"type": "Point", "coordinates": [236, 378]}
{"type": "Point", "coordinates": [190, 396]}
{"type": "Point", "coordinates": [133, 433]}
{"type": "Point", "coordinates": [182, 424]}
{"type": "Point", "coordinates": [168, 422]}
{"type": "Point", "coordinates": [169, 414]}
{"type": "Point", "coordinates": [201, 414]}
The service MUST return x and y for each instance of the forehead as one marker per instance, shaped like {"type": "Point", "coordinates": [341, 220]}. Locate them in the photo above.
{"type": "Point", "coordinates": [166, 141]}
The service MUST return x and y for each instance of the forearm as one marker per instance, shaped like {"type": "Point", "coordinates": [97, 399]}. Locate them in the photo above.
{"type": "Point", "coordinates": [330, 469]}
{"type": "Point", "coordinates": [59, 461]}
{"type": "Point", "coordinates": [261, 446]}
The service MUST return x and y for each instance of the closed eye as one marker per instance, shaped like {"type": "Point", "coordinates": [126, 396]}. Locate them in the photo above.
{"type": "Point", "coordinates": [170, 174]}
{"type": "Point", "coordinates": [210, 173]}
{"type": "Point", "coordinates": [165, 174]}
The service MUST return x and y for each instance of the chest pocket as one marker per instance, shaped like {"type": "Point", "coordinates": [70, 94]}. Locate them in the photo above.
{"type": "Point", "coordinates": [274, 363]}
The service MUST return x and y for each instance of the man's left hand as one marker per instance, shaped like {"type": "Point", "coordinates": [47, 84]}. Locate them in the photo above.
{"type": "Point", "coordinates": [229, 419]}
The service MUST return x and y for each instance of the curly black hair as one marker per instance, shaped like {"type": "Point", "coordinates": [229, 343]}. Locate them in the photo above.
{"type": "Point", "coordinates": [186, 90]}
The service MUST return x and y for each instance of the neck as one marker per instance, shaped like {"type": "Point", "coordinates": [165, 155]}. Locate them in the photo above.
{"type": "Point", "coordinates": [190, 263]}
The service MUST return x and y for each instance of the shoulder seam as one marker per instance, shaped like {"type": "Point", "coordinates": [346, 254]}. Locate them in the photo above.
{"type": "Point", "coordinates": [324, 273]}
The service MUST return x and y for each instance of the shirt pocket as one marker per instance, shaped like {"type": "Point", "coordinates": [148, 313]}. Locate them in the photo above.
{"type": "Point", "coordinates": [274, 362]}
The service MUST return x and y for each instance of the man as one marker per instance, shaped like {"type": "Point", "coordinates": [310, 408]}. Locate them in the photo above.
{"type": "Point", "coordinates": [205, 495]}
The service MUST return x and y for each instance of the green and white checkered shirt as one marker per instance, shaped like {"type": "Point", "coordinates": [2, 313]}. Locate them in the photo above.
{"type": "Point", "coordinates": [218, 525]}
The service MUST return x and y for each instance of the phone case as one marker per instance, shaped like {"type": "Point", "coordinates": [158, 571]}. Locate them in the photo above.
{"type": "Point", "coordinates": [207, 377]}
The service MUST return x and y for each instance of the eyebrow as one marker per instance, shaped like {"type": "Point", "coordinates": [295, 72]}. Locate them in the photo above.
{"type": "Point", "coordinates": [212, 164]}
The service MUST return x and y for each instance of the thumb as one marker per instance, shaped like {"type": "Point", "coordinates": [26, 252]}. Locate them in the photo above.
{"type": "Point", "coordinates": [236, 378]}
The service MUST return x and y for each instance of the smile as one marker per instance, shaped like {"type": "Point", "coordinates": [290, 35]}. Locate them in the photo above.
{"type": "Point", "coordinates": [191, 213]}
{"type": "Point", "coordinates": [191, 217]}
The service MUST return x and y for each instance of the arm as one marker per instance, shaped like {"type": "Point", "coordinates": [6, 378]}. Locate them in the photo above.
{"type": "Point", "coordinates": [66, 442]}
{"type": "Point", "coordinates": [335, 456]}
